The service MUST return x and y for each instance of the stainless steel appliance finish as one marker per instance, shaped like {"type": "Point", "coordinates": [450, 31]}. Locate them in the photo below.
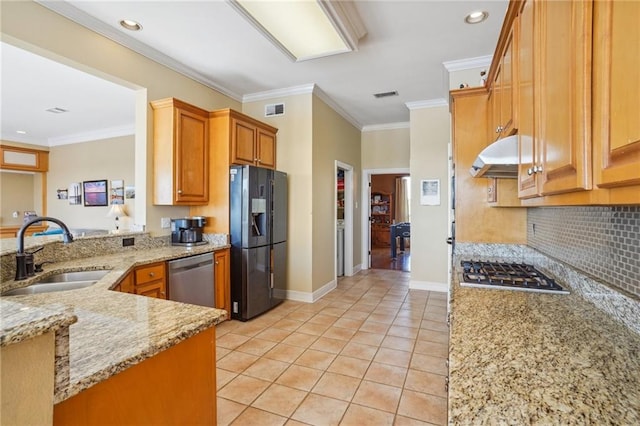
{"type": "Point", "coordinates": [507, 276]}
{"type": "Point", "coordinates": [258, 223]}
{"type": "Point", "coordinates": [187, 231]}
{"type": "Point", "coordinates": [191, 280]}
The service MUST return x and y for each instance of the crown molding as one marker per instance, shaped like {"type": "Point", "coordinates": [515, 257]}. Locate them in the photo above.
{"type": "Point", "coordinates": [337, 108]}
{"type": "Point", "coordinates": [429, 103]}
{"type": "Point", "coordinates": [279, 93]}
{"type": "Point", "coordinates": [110, 132]}
{"type": "Point", "coordinates": [387, 126]}
{"type": "Point", "coordinates": [469, 63]}
{"type": "Point", "coordinates": [78, 16]}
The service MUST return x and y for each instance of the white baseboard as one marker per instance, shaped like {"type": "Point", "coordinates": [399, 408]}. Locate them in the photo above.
{"type": "Point", "coordinates": [357, 268]}
{"type": "Point", "coordinates": [303, 296]}
{"type": "Point", "coordinates": [428, 285]}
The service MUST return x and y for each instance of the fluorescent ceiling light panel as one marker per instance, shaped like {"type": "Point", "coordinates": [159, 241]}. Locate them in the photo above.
{"type": "Point", "coordinates": [306, 29]}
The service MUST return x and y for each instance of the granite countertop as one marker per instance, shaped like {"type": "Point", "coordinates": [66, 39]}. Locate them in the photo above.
{"type": "Point", "coordinates": [112, 330]}
{"type": "Point", "coordinates": [532, 358]}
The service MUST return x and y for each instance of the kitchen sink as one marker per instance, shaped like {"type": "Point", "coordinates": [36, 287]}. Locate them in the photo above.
{"type": "Point", "coordinates": [60, 282]}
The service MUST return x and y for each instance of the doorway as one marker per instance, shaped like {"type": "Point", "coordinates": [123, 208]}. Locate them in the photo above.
{"type": "Point", "coordinates": [343, 219]}
{"type": "Point", "coordinates": [387, 203]}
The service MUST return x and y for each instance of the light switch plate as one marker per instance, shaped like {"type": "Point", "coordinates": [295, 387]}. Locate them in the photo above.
{"type": "Point", "coordinates": [165, 222]}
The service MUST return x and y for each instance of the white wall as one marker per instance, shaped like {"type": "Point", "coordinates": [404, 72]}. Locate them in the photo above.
{"type": "Point", "coordinates": [386, 149]}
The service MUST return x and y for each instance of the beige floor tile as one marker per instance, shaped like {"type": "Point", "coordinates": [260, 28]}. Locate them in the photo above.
{"type": "Point", "coordinates": [223, 377]}
{"type": "Point", "coordinates": [313, 329]}
{"type": "Point", "coordinates": [339, 333]}
{"type": "Point", "coordinates": [357, 315]}
{"type": "Point", "coordinates": [254, 417]}
{"type": "Point", "coordinates": [358, 415]}
{"type": "Point", "coordinates": [300, 316]}
{"type": "Point", "coordinates": [221, 352]}
{"type": "Point", "coordinates": [292, 422]}
{"type": "Point", "coordinates": [337, 386]}
{"type": "Point", "coordinates": [398, 343]}
{"type": "Point", "coordinates": [385, 319]}
{"type": "Point", "coordinates": [406, 421]}
{"type": "Point", "coordinates": [349, 323]}
{"type": "Point", "coordinates": [243, 389]}
{"type": "Point", "coordinates": [424, 407]}
{"type": "Point", "coordinates": [372, 339]}
{"type": "Point", "coordinates": [326, 344]}
{"type": "Point", "coordinates": [359, 350]}
{"type": "Point", "coordinates": [433, 336]}
{"type": "Point", "coordinates": [425, 382]}
{"type": "Point", "coordinates": [378, 396]}
{"type": "Point", "coordinates": [249, 329]}
{"type": "Point", "coordinates": [286, 353]}
{"type": "Point", "coordinates": [400, 331]}
{"type": "Point", "coordinates": [266, 369]}
{"type": "Point", "coordinates": [434, 325]}
{"type": "Point", "coordinates": [281, 400]}
{"type": "Point", "coordinates": [348, 366]}
{"type": "Point", "coordinates": [323, 319]}
{"type": "Point", "coordinates": [256, 346]}
{"type": "Point", "coordinates": [388, 312]}
{"type": "Point", "coordinates": [315, 359]}
{"type": "Point", "coordinates": [429, 363]}
{"type": "Point", "coordinates": [231, 340]}
{"type": "Point", "coordinates": [300, 339]}
{"type": "Point", "coordinates": [299, 377]}
{"type": "Point", "coordinates": [288, 324]}
{"type": "Point", "coordinates": [407, 321]}
{"type": "Point", "coordinates": [393, 357]}
{"type": "Point", "coordinates": [432, 348]}
{"type": "Point", "coordinates": [274, 334]}
{"type": "Point", "coordinates": [387, 374]}
{"type": "Point", "coordinates": [236, 361]}
{"type": "Point", "coordinates": [227, 411]}
{"type": "Point", "coordinates": [320, 410]}
{"type": "Point", "coordinates": [374, 327]}
{"type": "Point", "coordinates": [226, 327]}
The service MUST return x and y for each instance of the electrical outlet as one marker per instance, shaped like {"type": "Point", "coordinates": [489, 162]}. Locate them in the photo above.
{"type": "Point", "coordinates": [165, 222]}
{"type": "Point", "coordinates": [126, 242]}
{"type": "Point", "coordinates": [15, 215]}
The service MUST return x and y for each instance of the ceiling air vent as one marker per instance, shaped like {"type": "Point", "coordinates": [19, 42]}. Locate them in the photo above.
{"type": "Point", "coordinates": [57, 110]}
{"type": "Point", "coordinates": [386, 94]}
{"type": "Point", "coordinates": [273, 110]}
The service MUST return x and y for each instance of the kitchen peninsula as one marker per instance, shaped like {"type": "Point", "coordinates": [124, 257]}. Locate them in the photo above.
{"type": "Point", "coordinates": [106, 341]}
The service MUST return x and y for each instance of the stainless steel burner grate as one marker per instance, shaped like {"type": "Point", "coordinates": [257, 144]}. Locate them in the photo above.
{"type": "Point", "coordinates": [507, 276]}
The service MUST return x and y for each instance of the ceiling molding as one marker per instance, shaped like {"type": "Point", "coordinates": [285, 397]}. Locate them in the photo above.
{"type": "Point", "coordinates": [67, 10]}
{"type": "Point", "coordinates": [337, 108]}
{"type": "Point", "coordinates": [94, 135]}
{"type": "Point", "coordinates": [429, 103]}
{"type": "Point", "coordinates": [278, 93]}
{"type": "Point", "coordinates": [469, 63]}
{"type": "Point", "coordinates": [388, 126]}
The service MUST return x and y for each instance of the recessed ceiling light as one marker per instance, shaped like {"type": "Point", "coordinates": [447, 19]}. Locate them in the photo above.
{"type": "Point", "coordinates": [476, 17]}
{"type": "Point", "coordinates": [130, 25]}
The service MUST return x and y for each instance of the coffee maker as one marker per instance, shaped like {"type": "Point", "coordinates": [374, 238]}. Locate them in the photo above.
{"type": "Point", "coordinates": [187, 231]}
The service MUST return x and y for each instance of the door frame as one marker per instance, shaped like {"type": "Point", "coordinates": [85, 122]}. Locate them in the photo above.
{"type": "Point", "coordinates": [348, 219]}
{"type": "Point", "coordinates": [366, 208]}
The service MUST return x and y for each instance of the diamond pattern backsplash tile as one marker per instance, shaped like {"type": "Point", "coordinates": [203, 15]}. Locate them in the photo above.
{"type": "Point", "coordinates": [603, 241]}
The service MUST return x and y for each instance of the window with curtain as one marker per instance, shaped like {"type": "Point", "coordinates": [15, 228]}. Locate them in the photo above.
{"type": "Point", "coordinates": [403, 199]}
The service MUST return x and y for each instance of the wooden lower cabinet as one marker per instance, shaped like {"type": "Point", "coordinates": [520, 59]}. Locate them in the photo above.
{"type": "Point", "coordinates": [380, 235]}
{"type": "Point", "coordinates": [175, 387]}
{"type": "Point", "coordinates": [222, 265]}
{"type": "Point", "coordinates": [147, 280]}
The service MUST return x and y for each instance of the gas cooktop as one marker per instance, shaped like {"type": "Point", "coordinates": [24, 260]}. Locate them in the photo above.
{"type": "Point", "coordinates": [507, 276]}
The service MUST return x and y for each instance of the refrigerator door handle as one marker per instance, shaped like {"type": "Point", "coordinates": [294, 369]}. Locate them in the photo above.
{"type": "Point", "coordinates": [254, 225]}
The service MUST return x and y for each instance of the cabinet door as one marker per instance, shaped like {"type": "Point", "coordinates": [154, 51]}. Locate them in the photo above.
{"type": "Point", "coordinates": [266, 148]}
{"type": "Point", "coordinates": [526, 130]}
{"type": "Point", "coordinates": [243, 137]}
{"type": "Point", "coordinates": [507, 92]}
{"type": "Point", "coordinates": [564, 29]}
{"type": "Point", "coordinates": [222, 280]}
{"type": "Point", "coordinates": [127, 285]}
{"type": "Point", "coordinates": [616, 87]}
{"type": "Point", "coordinates": [495, 97]}
{"type": "Point", "coordinates": [155, 289]}
{"type": "Point", "coordinates": [150, 280]}
{"type": "Point", "coordinates": [192, 157]}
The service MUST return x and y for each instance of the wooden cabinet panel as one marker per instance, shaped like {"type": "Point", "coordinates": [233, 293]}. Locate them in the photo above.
{"type": "Point", "coordinates": [243, 145]}
{"type": "Point", "coordinates": [127, 284]}
{"type": "Point", "coordinates": [563, 105]}
{"type": "Point", "coordinates": [18, 158]}
{"type": "Point", "coordinates": [266, 146]}
{"type": "Point", "coordinates": [181, 153]}
{"type": "Point", "coordinates": [150, 280]}
{"type": "Point", "coordinates": [222, 272]}
{"type": "Point", "coordinates": [616, 85]}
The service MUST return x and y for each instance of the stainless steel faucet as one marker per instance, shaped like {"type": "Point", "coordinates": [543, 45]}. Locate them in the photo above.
{"type": "Point", "coordinates": [23, 259]}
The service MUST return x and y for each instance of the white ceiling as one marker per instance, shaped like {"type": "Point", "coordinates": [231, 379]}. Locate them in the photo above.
{"type": "Point", "coordinates": [406, 45]}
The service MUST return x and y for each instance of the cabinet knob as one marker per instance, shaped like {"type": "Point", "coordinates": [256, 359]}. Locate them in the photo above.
{"type": "Point", "coordinates": [152, 274]}
{"type": "Point", "coordinates": [530, 171]}
{"type": "Point", "coordinates": [179, 191]}
{"type": "Point", "coordinates": [217, 262]}
{"type": "Point", "coordinates": [499, 129]}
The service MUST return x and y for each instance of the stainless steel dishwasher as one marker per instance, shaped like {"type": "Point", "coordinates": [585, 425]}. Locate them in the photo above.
{"type": "Point", "coordinates": [191, 280]}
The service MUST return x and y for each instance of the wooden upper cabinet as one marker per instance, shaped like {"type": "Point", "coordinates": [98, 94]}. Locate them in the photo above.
{"type": "Point", "coordinates": [252, 143]}
{"type": "Point", "coordinates": [181, 153]}
{"type": "Point", "coordinates": [562, 102]}
{"type": "Point", "coordinates": [502, 94]}
{"type": "Point", "coordinates": [616, 99]}
{"type": "Point", "coordinates": [25, 159]}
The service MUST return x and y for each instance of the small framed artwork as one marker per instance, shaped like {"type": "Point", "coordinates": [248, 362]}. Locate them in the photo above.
{"type": "Point", "coordinates": [130, 192]}
{"type": "Point", "coordinates": [95, 193]}
{"type": "Point", "coordinates": [117, 192]}
{"type": "Point", "coordinates": [75, 194]}
{"type": "Point", "coordinates": [430, 192]}
{"type": "Point", "coordinates": [62, 194]}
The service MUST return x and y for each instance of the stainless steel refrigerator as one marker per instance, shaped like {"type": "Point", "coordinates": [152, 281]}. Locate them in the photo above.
{"type": "Point", "coordinates": [258, 222]}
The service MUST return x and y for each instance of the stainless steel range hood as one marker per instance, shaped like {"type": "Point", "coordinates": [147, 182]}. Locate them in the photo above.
{"type": "Point", "coordinates": [498, 160]}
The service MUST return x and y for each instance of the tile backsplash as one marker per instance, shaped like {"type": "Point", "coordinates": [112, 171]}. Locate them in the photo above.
{"type": "Point", "coordinates": [603, 241]}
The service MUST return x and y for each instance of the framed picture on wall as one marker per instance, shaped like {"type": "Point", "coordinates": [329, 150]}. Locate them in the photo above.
{"type": "Point", "coordinates": [75, 194]}
{"type": "Point", "coordinates": [117, 192]}
{"type": "Point", "coordinates": [95, 193]}
{"type": "Point", "coordinates": [430, 192]}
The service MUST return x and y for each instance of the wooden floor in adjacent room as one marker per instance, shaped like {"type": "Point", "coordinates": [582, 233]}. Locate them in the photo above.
{"type": "Point", "coordinates": [381, 259]}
